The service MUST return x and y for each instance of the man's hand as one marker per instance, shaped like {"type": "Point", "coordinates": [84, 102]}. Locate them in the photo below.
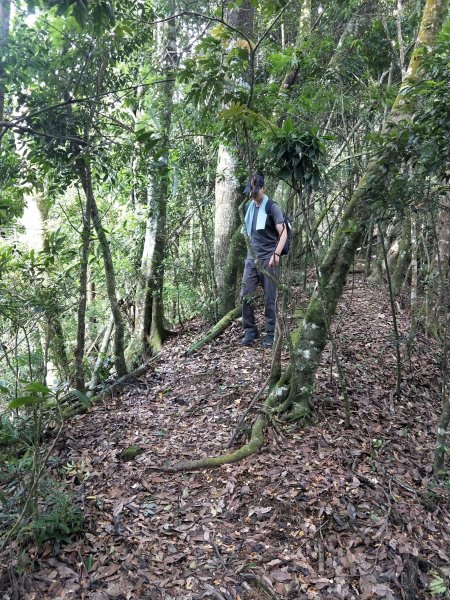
{"type": "Point", "coordinates": [274, 261]}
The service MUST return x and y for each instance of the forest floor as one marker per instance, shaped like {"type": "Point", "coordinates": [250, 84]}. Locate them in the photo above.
{"type": "Point", "coordinates": [320, 513]}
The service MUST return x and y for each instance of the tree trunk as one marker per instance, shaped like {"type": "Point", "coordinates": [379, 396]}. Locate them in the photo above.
{"type": "Point", "coordinates": [334, 268]}
{"type": "Point", "coordinates": [353, 29]}
{"type": "Point", "coordinates": [229, 243]}
{"type": "Point", "coordinates": [442, 436]}
{"type": "Point", "coordinates": [51, 333]}
{"type": "Point", "coordinates": [82, 296]}
{"type": "Point", "coordinates": [414, 274]}
{"type": "Point", "coordinates": [5, 13]}
{"type": "Point", "coordinates": [228, 194]}
{"type": "Point", "coordinates": [404, 256]}
{"type": "Point", "coordinates": [150, 333]}
{"type": "Point", "coordinates": [438, 284]}
{"type": "Point", "coordinates": [119, 356]}
{"type": "Point", "coordinates": [101, 356]}
{"type": "Point", "coordinates": [304, 30]}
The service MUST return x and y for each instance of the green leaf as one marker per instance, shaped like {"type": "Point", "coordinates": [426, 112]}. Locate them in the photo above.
{"type": "Point", "coordinates": [89, 563]}
{"type": "Point", "coordinates": [37, 387]}
{"type": "Point", "coordinates": [24, 401]}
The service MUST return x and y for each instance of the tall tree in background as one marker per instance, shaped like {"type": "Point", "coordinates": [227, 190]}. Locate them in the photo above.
{"type": "Point", "coordinates": [228, 190]}
{"type": "Point", "coordinates": [5, 11]}
{"type": "Point", "coordinates": [35, 220]}
{"type": "Point", "coordinates": [150, 331]}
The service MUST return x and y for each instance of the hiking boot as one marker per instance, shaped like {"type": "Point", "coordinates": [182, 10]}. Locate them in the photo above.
{"type": "Point", "coordinates": [268, 341]}
{"type": "Point", "coordinates": [249, 339]}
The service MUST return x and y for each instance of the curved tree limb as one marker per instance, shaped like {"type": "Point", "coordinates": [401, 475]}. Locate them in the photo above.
{"type": "Point", "coordinates": [216, 330]}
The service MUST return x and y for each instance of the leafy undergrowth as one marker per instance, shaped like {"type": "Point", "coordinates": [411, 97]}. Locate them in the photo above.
{"type": "Point", "coordinates": [322, 513]}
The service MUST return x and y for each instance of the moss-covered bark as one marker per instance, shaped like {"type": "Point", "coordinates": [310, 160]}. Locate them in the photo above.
{"type": "Point", "coordinates": [312, 337]}
{"type": "Point", "coordinates": [215, 331]}
{"type": "Point", "coordinates": [236, 254]}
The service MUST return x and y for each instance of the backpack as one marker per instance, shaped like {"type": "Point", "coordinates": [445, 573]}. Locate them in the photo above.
{"type": "Point", "coordinates": [287, 225]}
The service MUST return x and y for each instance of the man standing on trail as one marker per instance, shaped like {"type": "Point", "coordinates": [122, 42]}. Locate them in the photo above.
{"type": "Point", "coordinates": [266, 229]}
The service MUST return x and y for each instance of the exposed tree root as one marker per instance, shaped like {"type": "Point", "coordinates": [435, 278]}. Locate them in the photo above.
{"type": "Point", "coordinates": [254, 444]}
{"type": "Point", "coordinates": [216, 330]}
{"type": "Point", "coordinates": [251, 405]}
{"type": "Point", "coordinates": [299, 412]}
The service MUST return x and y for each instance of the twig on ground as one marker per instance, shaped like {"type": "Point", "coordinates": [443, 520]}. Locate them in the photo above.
{"type": "Point", "coordinates": [251, 405]}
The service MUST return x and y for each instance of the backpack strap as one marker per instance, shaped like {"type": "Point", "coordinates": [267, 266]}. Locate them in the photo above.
{"type": "Point", "coordinates": [269, 205]}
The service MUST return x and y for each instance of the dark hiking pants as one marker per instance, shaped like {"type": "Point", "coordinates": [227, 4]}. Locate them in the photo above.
{"type": "Point", "coordinates": [252, 276]}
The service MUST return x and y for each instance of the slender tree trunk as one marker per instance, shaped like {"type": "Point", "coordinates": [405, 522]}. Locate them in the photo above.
{"type": "Point", "coordinates": [82, 295]}
{"type": "Point", "coordinates": [438, 322]}
{"type": "Point", "coordinates": [404, 256]}
{"type": "Point", "coordinates": [442, 436]}
{"type": "Point", "coordinates": [57, 355]}
{"type": "Point", "coordinates": [414, 274]}
{"type": "Point", "coordinates": [333, 270]}
{"type": "Point", "coordinates": [369, 251]}
{"type": "Point", "coordinates": [401, 49]}
{"type": "Point", "coordinates": [304, 30]}
{"type": "Point", "coordinates": [101, 355]}
{"type": "Point", "coordinates": [5, 13]}
{"type": "Point", "coordinates": [353, 29]}
{"type": "Point", "coordinates": [167, 43]}
{"type": "Point", "coordinates": [119, 356]}
{"type": "Point", "coordinates": [437, 291]}
{"type": "Point", "coordinates": [150, 333]}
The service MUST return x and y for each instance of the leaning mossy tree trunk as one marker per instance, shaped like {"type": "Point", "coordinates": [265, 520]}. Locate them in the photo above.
{"type": "Point", "coordinates": [216, 330]}
{"type": "Point", "coordinates": [312, 337]}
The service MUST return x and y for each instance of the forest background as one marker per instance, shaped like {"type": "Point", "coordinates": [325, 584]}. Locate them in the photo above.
{"type": "Point", "coordinates": [128, 131]}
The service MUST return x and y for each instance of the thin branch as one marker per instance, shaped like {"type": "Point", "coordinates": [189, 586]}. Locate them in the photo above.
{"type": "Point", "coordinates": [71, 101]}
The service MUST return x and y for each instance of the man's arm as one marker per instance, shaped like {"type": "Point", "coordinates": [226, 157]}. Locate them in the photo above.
{"type": "Point", "coordinates": [282, 233]}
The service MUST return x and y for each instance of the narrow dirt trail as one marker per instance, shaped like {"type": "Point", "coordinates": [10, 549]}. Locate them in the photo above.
{"type": "Point", "coordinates": [324, 513]}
